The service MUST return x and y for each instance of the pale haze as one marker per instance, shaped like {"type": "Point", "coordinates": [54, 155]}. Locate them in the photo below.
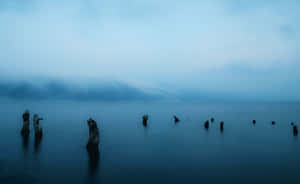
{"type": "Point", "coordinates": [246, 50]}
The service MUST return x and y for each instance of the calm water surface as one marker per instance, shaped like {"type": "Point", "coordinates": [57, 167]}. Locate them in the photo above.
{"type": "Point", "coordinates": [163, 152]}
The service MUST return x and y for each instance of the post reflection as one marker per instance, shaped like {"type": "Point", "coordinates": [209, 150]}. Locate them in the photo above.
{"type": "Point", "coordinates": [37, 143]}
{"type": "Point", "coordinates": [25, 142]}
{"type": "Point", "coordinates": [94, 156]}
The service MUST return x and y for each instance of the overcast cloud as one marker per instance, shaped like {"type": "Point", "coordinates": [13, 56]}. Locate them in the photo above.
{"type": "Point", "coordinates": [245, 48]}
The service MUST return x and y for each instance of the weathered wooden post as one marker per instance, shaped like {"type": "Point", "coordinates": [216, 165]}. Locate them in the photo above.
{"type": "Point", "coordinates": [92, 145]}
{"type": "Point", "coordinates": [145, 120]}
{"type": "Point", "coordinates": [36, 124]}
{"type": "Point", "coordinates": [93, 135]}
{"type": "Point", "coordinates": [25, 129]}
{"type": "Point", "coordinates": [295, 130]}
{"type": "Point", "coordinates": [222, 126]}
{"type": "Point", "coordinates": [206, 124]}
{"type": "Point", "coordinates": [176, 119]}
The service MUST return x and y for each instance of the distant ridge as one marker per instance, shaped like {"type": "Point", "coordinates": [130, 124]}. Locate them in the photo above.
{"type": "Point", "coordinates": [114, 91]}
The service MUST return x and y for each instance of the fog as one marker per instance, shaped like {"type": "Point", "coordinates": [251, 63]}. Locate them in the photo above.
{"type": "Point", "coordinates": [56, 90]}
{"type": "Point", "coordinates": [186, 49]}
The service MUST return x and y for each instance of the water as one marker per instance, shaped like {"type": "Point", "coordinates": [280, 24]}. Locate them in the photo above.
{"type": "Point", "coordinates": [163, 152]}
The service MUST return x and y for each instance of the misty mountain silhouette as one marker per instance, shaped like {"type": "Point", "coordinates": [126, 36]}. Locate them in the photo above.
{"type": "Point", "coordinates": [114, 91]}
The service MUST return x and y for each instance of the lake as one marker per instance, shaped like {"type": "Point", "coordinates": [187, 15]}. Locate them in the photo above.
{"type": "Point", "coordinates": [163, 152]}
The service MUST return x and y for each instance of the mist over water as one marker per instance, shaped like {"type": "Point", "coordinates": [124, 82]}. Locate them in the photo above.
{"type": "Point", "coordinates": [57, 90]}
{"type": "Point", "coordinates": [164, 152]}
{"type": "Point", "coordinates": [232, 48]}
{"type": "Point", "coordinates": [117, 61]}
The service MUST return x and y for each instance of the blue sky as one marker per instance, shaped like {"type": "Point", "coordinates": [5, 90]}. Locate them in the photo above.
{"type": "Point", "coordinates": [243, 48]}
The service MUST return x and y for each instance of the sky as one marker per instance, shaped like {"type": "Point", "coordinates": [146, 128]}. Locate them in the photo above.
{"type": "Point", "coordinates": [189, 49]}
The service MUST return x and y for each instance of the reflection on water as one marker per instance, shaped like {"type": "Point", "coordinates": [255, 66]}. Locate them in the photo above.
{"type": "Point", "coordinates": [25, 143]}
{"type": "Point", "coordinates": [93, 160]}
{"type": "Point", "coordinates": [161, 153]}
{"type": "Point", "coordinates": [37, 143]}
